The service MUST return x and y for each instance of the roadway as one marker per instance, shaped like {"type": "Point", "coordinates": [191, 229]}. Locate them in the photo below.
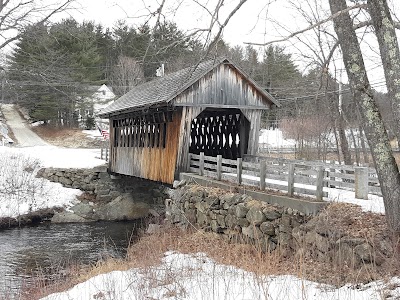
{"type": "Point", "coordinates": [22, 132]}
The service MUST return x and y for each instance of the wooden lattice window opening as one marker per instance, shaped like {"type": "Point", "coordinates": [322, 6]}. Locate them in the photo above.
{"type": "Point", "coordinates": [148, 131]}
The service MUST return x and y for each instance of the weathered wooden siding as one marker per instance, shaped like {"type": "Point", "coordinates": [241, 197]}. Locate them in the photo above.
{"type": "Point", "coordinates": [223, 86]}
{"type": "Point", "coordinates": [188, 114]}
{"type": "Point", "coordinates": [154, 163]}
{"type": "Point", "coordinates": [254, 116]}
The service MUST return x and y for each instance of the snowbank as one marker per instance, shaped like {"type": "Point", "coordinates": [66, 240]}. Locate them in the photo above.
{"type": "Point", "coordinates": [197, 277]}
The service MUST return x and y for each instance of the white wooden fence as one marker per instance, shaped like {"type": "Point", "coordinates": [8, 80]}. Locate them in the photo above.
{"type": "Point", "coordinates": [292, 176]}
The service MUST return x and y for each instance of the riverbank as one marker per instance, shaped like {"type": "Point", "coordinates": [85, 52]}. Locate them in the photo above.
{"type": "Point", "coordinates": [192, 264]}
{"type": "Point", "coordinates": [31, 218]}
{"type": "Point", "coordinates": [340, 253]}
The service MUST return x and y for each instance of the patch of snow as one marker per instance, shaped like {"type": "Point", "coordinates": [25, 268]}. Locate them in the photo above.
{"type": "Point", "coordinates": [94, 134]}
{"type": "Point", "coordinates": [197, 277]}
{"type": "Point", "coordinates": [274, 139]}
{"type": "Point", "coordinates": [21, 191]}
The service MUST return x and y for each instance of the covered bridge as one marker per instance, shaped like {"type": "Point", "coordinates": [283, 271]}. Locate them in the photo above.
{"type": "Point", "coordinates": [213, 107]}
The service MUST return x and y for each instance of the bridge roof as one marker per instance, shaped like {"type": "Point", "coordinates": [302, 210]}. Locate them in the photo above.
{"type": "Point", "coordinates": [164, 89]}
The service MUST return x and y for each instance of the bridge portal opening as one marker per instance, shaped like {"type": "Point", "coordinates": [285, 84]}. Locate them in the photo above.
{"type": "Point", "coordinates": [220, 132]}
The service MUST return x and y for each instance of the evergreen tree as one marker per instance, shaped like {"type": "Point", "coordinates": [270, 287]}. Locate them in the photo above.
{"type": "Point", "coordinates": [52, 67]}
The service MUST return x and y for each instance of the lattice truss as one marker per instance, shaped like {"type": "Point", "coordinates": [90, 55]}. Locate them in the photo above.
{"type": "Point", "coordinates": [217, 135]}
{"type": "Point", "coordinates": [143, 131]}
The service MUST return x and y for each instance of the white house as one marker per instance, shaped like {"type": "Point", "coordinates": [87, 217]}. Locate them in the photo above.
{"type": "Point", "coordinates": [91, 106]}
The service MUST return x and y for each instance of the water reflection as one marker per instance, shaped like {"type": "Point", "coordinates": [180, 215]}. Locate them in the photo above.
{"type": "Point", "coordinates": [48, 249]}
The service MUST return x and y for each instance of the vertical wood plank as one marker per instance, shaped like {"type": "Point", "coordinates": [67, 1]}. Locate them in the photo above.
{"type": "Point", "coordinates": [263, 172]}
{"type": "Point", "coordinates": [291, 179]}
{"type": "Point", "coordinates": [239, 170]}
{"type": "Point", "coordinates": [320, 182]}
{"type": "Point", "coordinates": [219, 167]}
{"type": "Point", "coordinates": [201, 166]}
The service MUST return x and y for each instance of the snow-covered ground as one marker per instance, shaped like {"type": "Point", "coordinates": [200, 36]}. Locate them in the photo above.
{"type": "Point", "coordinates": [274, 139]}
{"type": "Point", "coordinates": [20, 190]}
{"type": "Point", "coordinates": [197, 277]}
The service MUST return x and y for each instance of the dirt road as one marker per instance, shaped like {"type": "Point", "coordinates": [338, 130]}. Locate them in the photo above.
{"type": "Point", "coordinates": [22, 132]}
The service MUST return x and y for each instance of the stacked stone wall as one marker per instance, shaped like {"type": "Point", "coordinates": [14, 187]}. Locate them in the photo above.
{"type": "Point", "coordinates": [104, 187]}
{"type": "Point", "coordinates": [107, 197]}
{"type": "Point", "coordinates": [235, 216]}
{"type": "Point", "coordinates": [240, 218]}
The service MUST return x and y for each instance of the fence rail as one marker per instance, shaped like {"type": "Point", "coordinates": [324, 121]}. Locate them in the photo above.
{"type": "Point", "coordinates": [292, 176]}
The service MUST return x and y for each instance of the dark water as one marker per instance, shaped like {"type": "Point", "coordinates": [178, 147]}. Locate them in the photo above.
{"type": "Point", "coordinates": [46, 250]}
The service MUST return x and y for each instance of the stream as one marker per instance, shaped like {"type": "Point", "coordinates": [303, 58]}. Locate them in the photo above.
{"type": "Point", "coordinates": [47, 249]}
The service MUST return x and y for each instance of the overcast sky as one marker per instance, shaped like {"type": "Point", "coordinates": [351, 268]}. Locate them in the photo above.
{"type": "Point", "coordinates": [254, 22]}
{"type": "Point", "coordinates": [244, 26]}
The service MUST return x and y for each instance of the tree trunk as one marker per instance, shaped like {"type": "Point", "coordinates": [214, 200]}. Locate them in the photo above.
{"type": "Point", "coordinates": [356, 152]}
{"type": "Point", "coordinates": [386, 167]}
{"type": "Point", "coordinates": [337, 144]}
{"type": "Point", "coordinates": [390, 54]}
{"type": "Point", "coordinates": [344, 145]}
{"type": "Point", "coordinates": [363, 146]}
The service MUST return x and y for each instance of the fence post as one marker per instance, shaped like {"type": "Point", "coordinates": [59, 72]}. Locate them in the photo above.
{"type": "Point", "coordinates": [263, 172]}
{"type": "Point", "coordinates": [201, 164]}
{"type": "Point", "coordinates": [101, 152]}
{"type": "Point", "coordinates": [219, 167]}
{"type": "Point", "coordinates": [320, 183]}
{"type": "Point", "coordinates": [361, 182]}
{"type": "Point", "coordinates": [239, 170]}
{"type": "Point", "coordinates": [332, 177]}
{"type": "Point", "coordinates": [290, 179]}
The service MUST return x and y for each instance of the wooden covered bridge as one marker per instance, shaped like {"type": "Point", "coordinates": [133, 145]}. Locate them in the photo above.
{"type": "Point", "coordinates": [213, 107]}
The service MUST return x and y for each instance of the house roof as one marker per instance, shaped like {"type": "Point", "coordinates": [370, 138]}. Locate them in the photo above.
{"type": "Point", "coordinates": [165, 89]}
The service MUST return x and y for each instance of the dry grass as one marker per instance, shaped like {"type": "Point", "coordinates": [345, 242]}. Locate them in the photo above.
{"type": "Point", "coordinates": [66, 137]}
{"type": "Point", "coordinates": [149, 250]}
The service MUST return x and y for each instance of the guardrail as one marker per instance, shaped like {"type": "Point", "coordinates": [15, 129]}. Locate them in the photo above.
{"type": "Point", "coordinates": [292, 176]}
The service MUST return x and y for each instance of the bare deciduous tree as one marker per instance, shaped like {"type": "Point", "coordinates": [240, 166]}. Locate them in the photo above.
{"type": "Point", "coordinates": [126, 74]}
{"type": "Point", "coordinates": [387, 170]}
{"type": "Point", "coordinates": [15, 16]}
{"type": "Point", "coordinates": [390, 54]}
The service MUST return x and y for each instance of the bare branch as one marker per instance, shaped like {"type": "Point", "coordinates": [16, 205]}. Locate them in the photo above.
{"type": "Point", "coordinates": [15, 16]}
{"type": "Point", "coordinates": [310, 27]}
{"type": "Point", "coordinates": [221, 28]}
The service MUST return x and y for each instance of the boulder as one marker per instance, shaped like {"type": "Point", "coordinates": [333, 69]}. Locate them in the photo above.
{"type": "Point", "coordinates": [252, 232]}
{"type": "Point", "coordinates": [255, 216]}
{"type": "Point", "coordinates": [241, 210]}
{"type": "Point", "coordinates": [84, 210]}
{"type": "Point", "coordinates": [271, 214]}
{"type": "Point", "coordinates": [68, 217]}
{"type": "Point", "coordinates": [267, 228]}
{"type": "Point", "coordinates": [364, 252]}
{"type": "Point", "coordinates": [122, 208]}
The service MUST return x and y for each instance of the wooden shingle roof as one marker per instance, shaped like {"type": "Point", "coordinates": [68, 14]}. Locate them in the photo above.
{"type": "Point", "coordinates": [164, 89]}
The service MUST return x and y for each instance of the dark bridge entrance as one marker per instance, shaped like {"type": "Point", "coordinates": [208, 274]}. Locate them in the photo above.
{"type": "Point", "coordinates": [220, 132]}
